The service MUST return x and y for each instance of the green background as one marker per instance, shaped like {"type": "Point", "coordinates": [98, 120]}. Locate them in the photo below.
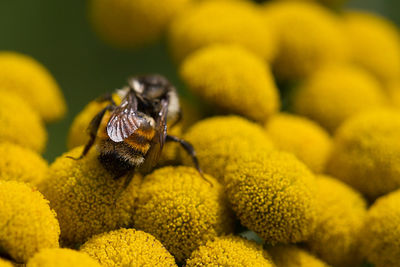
{"type": "Point", "coordinates": [58, 34]}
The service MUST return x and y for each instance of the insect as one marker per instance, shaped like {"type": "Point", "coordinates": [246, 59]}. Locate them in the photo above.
{"type": "Point", "coordinates": [132, 134]}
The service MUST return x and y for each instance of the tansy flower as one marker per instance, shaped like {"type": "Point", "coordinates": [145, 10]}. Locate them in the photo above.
{"type": "Point", "coordinates": [302, 137]}
{"type": "Point", "coordinates": [394, 93]}
{"type": "Point", "coordinates": [182, 209]}
{"type": "Point", "coordinates": [29, 79]}
{"type": "Point", "coordinates": [232, 79]}
{"type": "Point", "coordinates": [291, 256]}
{"type": "Point", "coordinates": [272, 194]}
{"type": "Point", "coordinates": [26, 221]}
{"type": "Point", "coordinates": [87, 198]}
{"type": "Point", "coordinates": [334, 93]}
{"type": "Point", "coordinates": [340, 216]}
{"type": "Point", "coordinates": [127, 247]}
{"type": "Point", "coordinates": [61, 257]}
{"type": "Point", "coordinates": [20, 123]}
{"type": "Point", "coordinates": [132, 23]}
{"type": "Point", "coordinates": [230, 251]}
{"type": "Point", "coordinates": [217, 139]}
{"type": "Point", "coordinates": [4, 263]}
{"type": "Point", "coordinates": [366, 152]}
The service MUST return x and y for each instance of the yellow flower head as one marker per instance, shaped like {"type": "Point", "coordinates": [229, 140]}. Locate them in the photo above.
{"type": "Point", "coordinates": [20, 123]}
{"type": "Point", "coordinates": [127, 247]}
{"type": "Point", "coordinates": [340, 216]}
{"type": "Point", "coordinates": [217, 139]}
{"type": "Point", "coordinates": [273, 195]}
{"type": "Point", "coordinates": [4, 263]}
{"type": "Point", "coordinates": [87, 199]}
{"type": "Point", "coordinates": [291, 256]}
{"type": "Point", "coordinates": [302, 137]}
{"type": "Point", "coordinates": [309, 36]}
{"type": "Point", "coordinates": [334, 93]}
{"type": "Point", "coordinates": [375, 44]}
{"type": "Point", "coordinates": [26, 221]}
{"type": "Point", "coordinates": [182, 209]}
{"type": "Point", "coordinates": [224, 22]}
{"type": "Point", "coordinates": [132, 23]}
{"type": "Point", "coordinates": [381, 233]}
{"type": "Point", "coordinates": [232, 251]}
{"type": "Point", "coordinates": [329, 3]}
{"type": "Point", "coordinates": [21, 164]}
{"type": "Point", "coordinates": [233, 80]}
{"type": "Point", "coordinates": [61, 257]}
{"type": "Point", "coordinates": [366, 152]}
{"type": "Point", "coordinates": [32, 81]}
{"type": "Point", "coordinates": [394, 92]}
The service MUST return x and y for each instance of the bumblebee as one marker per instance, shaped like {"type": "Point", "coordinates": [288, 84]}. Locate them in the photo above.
{"type": "Point", "coordinates": [131, 134]}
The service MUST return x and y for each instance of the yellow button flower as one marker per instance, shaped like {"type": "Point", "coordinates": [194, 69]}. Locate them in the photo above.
{"type": "Point", "coordinates": [272, 194]}
{"type": "Point", "coordinates": [182, 209]}
{"type": "Point", "coordinates": [61, 257]}
{"type": "Point", "coordinates": [334, 93]}
{"type": "Point", "coordinates": [26, 221]}
{"type": "Point", "coordinates": [217, 139]}
{"type": "Point", "coordinates": [302, 137]}
{"type": "Point", "coordinates": [87, 199]}
{"type": "Point", "coordinates": [230, 251]}
{"type": "Point", "coordinates": [291, 256]}
{"type": "Point", "coordinates": [232, 79]}
{"type": "Point", "coordinates": [366, 153]}
{"type": "Point", "coordinates": [4, 263]}
{"type": "Point", "coordinates": [32, 81]}
{"type": "Point", "coordinates": [127, 247]}
{"type": "Point", "coordinates": [394, 92]}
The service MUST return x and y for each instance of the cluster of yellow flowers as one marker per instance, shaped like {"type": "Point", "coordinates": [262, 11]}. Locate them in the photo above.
{"type": "Point", "coordinates": [300, 145]}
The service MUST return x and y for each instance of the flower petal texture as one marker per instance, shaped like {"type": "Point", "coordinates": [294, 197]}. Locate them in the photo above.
{"type": "Point", "coordinates": [291, 256]}
{"type": "Point", "coordinates": [61, 257]}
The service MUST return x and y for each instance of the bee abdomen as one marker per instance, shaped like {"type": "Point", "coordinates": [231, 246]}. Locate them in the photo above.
{"type": "Point", "coordinates": [140, 141]}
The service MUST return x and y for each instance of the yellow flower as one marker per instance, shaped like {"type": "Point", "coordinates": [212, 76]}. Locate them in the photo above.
{"type": "Point", "coordinates": [334, 93]}
{"type": "Point", "coordinates": [32, 81]}
{"type": "Point", "coordinates": [375, 44]}
{"type": "Point", "coordinates": [20, 123]}
{"type": "Point", "coordinates": [381, 232]}
{"type": "Point", "coordinates": [127, 247]}
{"type": "Point", "coordinates": [366, 153]}
{"type": "Point", "coordinates": [291, 256]}
{"type": "Point", "coordinates": [132, 23]}
{"type": "Point", "coordinates": [87, 199]}
{"type": "Point", "coordinates": [26, 221]}
{"type": "Point", "coordinates": [309, 36]}
{"type": "Point", "coordinates": [329, 3]}
{"type": "Point", "coordinates": [230, 251]}
{"type": "Point", "coordinates": [226, 22]}
{"type": "Point", "coordinates": [302, 137]}
{"type": "Point", "coordinates": [273, 195]}
{"type": "Point", "coordinates": [232, 79]}
{"type": "Point", "coordinates": [217, 139]}
{"type": "Point", "coordinates": [61, 257]}
{"type": "Point", "coordinates": [182, 209]}
{"type": "Point", "coordinates": [21, 164]}
{"type": "Point", "coordinates": [394, 93]}
{"type": "Point", "coordinates": [4, 263]}
{"type": "Point", "coordinates": [340, 216]}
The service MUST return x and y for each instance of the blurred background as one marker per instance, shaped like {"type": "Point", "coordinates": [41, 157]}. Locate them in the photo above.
{"type": "Point", "coordinates": [57, 34]}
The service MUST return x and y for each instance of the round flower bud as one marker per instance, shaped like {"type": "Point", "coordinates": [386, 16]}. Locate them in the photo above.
{"type": "Point", "coordinates": [302, 137]}
{"type": "Point", "coordinates": [309, 37]}
{"type": "Point", "coordinates": [132, 23]}
{"type": "Point", "coordinates": [230, 251]}
{"type": "Point", "coordinates": [330, 100]}
{"type": "Point", "coordinates": [32, 81]}
{"type": "Point", "coordinates": [380, 234]}
{"type": "Point", "coordinates": [272, 194]}
{"type": "Point", "coordinates": [61, 257]}
{"type": "Point", "coordinates": [88, 199]}
{"type": "Point", "coordinates": [4, 263]}
{"type": "Point", "coordinates": [21, 164]}
{"type": "Point", "coordinates": [340, 216]}
{"type": "Point", "coordinates": [182, 209]}
{"type": "Point", "coordinates": [27, 222]}
{"type": "Point", "coordinates": [217, 139]}
{"type": "Point", "coordinates": [366, 152]}
{"type": "Point", "coordinates": [375, 44]}
{"type": "Point", "coordinates": [291, 256]}
{"type": "Point", "coordinates": [127, 247]}
{"type": "Point", "coordinates": [225, 22]}
{"type": "Point", "coordinates": [232, 79]}
{"type": "Point", "coordinates": [21, 124]}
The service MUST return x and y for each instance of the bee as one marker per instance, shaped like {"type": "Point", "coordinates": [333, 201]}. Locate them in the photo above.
{"type": "Point", "coordinates": [132, 134]}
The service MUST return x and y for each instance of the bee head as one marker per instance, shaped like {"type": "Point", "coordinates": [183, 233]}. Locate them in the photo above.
{"type": "Point", "coordinates": [151, 87]}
